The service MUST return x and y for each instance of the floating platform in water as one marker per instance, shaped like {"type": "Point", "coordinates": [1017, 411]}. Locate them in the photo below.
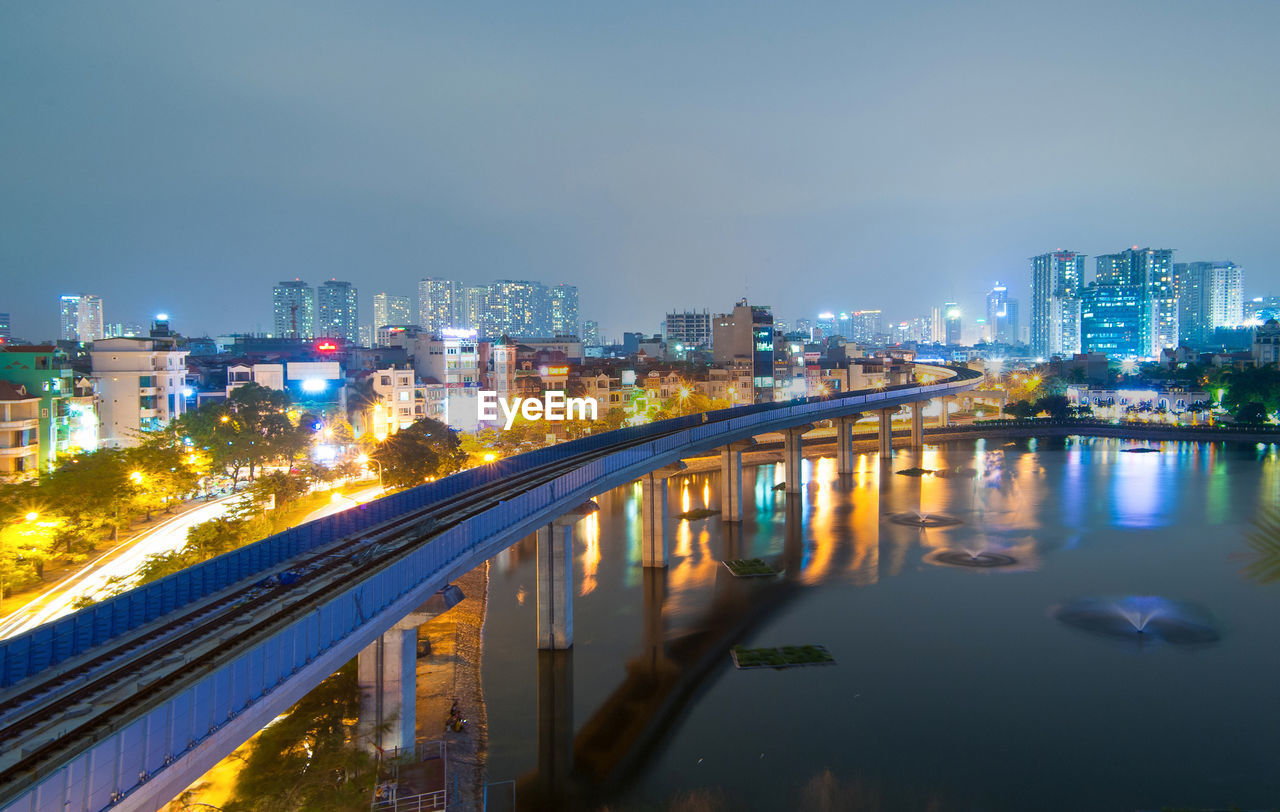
{"type": "Point", "coordinates": [780, 657]}
{"type": "Point", "coordinates": [750, 568]}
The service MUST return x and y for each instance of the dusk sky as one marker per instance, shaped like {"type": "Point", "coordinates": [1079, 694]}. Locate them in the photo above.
{"type": "Point", "coordinates": [185, 156]}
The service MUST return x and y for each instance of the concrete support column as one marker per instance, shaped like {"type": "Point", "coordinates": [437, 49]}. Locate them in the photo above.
{"type": "Point", "coordinates": [917, 425]}
{"type": "Point", "coordinates": [387, 672]}
{"type": "Point", "coordinates": [944, 416]}
{"type": "Point", "coordinates": [731, 480]}
{"type": "Point", "coordinates": [653, 514]}
{"type": "Point", "coordinates": [886, 433]}
{"type": "Point", "coordinates": [793, 456]}
{"type": "Point", "coordinates": [844, 443]}
{"type": "Point", "coordinates": [555, 579]}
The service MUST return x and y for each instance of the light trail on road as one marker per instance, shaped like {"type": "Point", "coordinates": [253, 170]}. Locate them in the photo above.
{"type": "Point", "coordinates": [123, 562]}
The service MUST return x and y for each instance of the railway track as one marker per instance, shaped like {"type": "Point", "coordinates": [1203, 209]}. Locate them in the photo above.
{"type": "Point", "coordinates": [87, 698]}
{"type": "Point", "coordinates": [91, 693]}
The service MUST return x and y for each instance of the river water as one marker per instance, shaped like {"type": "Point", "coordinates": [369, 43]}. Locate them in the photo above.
{"type": "Point", "coordinates": [954, 687]}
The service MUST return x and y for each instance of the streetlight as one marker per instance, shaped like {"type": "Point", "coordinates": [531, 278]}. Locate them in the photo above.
{"type": "Point", "coordinates": [365, 459]}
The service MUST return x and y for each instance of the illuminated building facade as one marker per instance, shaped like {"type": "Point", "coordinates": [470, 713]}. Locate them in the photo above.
{"type": "Point", "coordinates": [439, 303]}
{"type": "Point", "coordinates": [1056, 280]}
{"type": "Point", "coordinates": [1210, 295]}
{"type": "Point", "coordinates": [293, 308]}
{"type": "Point", "coordinates": [338, 311]}
{"type": "Point", "coordinates": [1136, 273]}
{"type": "Point", "coordinates": [66, 415]}
{"type": "Point", "coordinates": [1115, 320]}
{"type": "Point", "coordinates": [564, 310]}
{"type": "Point", "coordinates": [953, 327]}
{"type": "Point", "coordinates": [81, 318]}
{"type": "Point", "coordinates": [388, 309]}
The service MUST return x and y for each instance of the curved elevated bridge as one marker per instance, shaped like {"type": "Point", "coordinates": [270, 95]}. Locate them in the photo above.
{"type": "Point", "coordinates": [123, 704]}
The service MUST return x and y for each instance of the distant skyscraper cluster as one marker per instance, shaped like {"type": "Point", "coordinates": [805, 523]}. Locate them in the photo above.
{"type": "Point", "coordinates": [1139, 303]}
{"type": "Point", "coordinates": [510, 307]}
{"type": "Point", "coordinates": [330, 310]}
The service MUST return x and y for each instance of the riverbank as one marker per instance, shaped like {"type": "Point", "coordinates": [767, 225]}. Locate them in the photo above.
{"type": "Point", "coordinates": [451, 672]}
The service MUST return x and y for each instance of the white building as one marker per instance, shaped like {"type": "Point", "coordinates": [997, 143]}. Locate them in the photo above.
{"type": "Point", "coordinates": [140, 387]}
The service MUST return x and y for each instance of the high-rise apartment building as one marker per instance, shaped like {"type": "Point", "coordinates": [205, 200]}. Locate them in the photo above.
{"type": "Point", "coordinates": [591, 333]}
{"type": "Point", "coordinates": [518, 307]}
{"type": "Point", "coordinates": [866, 326]}
{"type": "Point", "coordinates": [439, 303]}
{"type": "Point", "coordinates": [388, 309]}
{"type": "Point", "coordinates": [688, 328]}
{"type": "Point", "coordinates": [564, 310]}
{"type": "Point", "coordinates": [953, 327]}
{"type": "Point", "coordinates": [6, 328]}
{"type": "Point", "coordinates": [1056, 280]}
{"type": "Point", "coordinates": [338, 311]}
{"type": "Point", "coordinates": [1143, 297]}
{"type": "Point", "coordinates": [1210, 295]}
{"type": "Point", "coordinates": [293, 306]}
{"type": "Point", "coordinates": [473, 312]}
{"type": "Point", "coordinates": [1002, 316]}
{"type": "Point", "coordinates": [81, 317]}
{"type": "Point", "coordinates": [1115, 320]}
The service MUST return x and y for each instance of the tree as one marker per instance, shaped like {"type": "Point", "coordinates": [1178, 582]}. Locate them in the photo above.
{"type": "Point", "coordinates": [1058, 406]}
{"type": "Point", "coordinates": [1256, 385]}
{"type": "Point", "coordinates": [249, 429]}
{"type": "Point", "coordinates": [426, 449]}
{"type": "Point", "coordinates": [309, 758]}
{"type": "Point", "coordinates": [1021, 410]}
{"type": "Point", "coordinates": [162, 471]}
{"type": "Point", "coordinates": [90, 492]}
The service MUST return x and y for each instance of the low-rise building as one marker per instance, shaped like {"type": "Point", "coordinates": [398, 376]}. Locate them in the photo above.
{"type": "Point", "coordinates": [19, 432]}
{"type": "Point", "coordinates": [140, 384]}
{"type": "Point", "coordinates": [67, 413]}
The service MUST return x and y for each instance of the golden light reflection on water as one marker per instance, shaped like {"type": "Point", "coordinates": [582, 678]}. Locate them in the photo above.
{"type": "Point", "coordinates": [590, 529]}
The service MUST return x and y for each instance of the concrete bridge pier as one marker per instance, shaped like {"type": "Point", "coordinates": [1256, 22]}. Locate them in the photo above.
{"type": "Point", "coordinates": [844, 443]}
{"type": "Point", "coordinates": [793, 456]}
{"type": "Point", "coordinates": [793, 544]}
{"type": "Point", "coordinates": [387, 672]}
{"type": "Point", "coordinates": [944, 416]}
{"type": "Point", "coordinates": [886, 433]}
{"type": "Point", "coordinates": [731, 480]}
{"type": "Point", "coordinates": [917, 425]}
{"type": "Point", "coordinates": [653, 514]}
{"type": "Point", "coordinates": [555, 579]}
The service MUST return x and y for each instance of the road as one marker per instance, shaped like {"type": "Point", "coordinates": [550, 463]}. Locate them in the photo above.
{"type": "Point", "coordinates": [344, 501]}
{"type": "Point", "coordinates": [122, 561]}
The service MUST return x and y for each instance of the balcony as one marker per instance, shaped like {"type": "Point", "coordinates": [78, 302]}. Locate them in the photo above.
{"type": "Point", "coordinates": [20, 451]}
{"type": "Point", "coordinates": [143, 391]}
{"type": "Point", "coordinates": [27, 424]}
{"type": "Point", "coordinates": [148, 413]}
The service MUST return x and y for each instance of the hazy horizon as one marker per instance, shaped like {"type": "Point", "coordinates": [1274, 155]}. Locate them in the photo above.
{"type": "Point", "coordinates": [184, 158]}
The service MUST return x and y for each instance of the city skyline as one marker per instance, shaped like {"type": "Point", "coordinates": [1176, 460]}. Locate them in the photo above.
{"type": "Point", "coordinates": [622, 189]}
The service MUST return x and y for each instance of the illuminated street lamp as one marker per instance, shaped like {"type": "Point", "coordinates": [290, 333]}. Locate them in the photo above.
{"type": "Point", "coordinates": [365, 459]}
